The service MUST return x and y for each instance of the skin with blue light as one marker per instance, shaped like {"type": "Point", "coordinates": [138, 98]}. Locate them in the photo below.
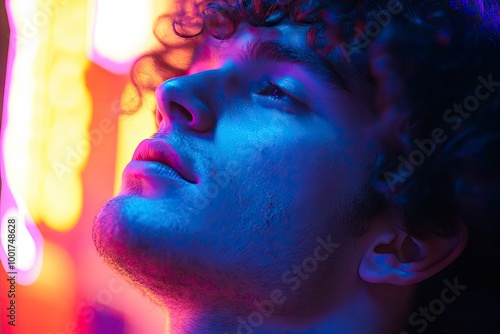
{"type": "Point", "coordinates": [295, 154]}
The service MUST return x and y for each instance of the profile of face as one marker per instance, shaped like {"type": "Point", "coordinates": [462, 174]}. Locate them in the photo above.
{"type": "Point", "coordinates": [250, 187]}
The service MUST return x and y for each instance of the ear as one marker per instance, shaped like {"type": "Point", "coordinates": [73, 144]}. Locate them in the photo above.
{"type": "Point", "coordinates": [395, 257]}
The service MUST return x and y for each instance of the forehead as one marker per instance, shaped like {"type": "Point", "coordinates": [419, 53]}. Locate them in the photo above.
{"type": "Point", "coordinates": [213, 53]}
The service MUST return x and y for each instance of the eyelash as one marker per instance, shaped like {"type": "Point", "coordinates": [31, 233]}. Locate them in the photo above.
{"type": "Point", "coordinates": [267, 88]}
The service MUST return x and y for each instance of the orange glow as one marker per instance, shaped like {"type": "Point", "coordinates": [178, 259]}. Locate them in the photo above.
{"type": "Point", "coordinates": [132, 129]}
{"type": "Point", "coordinates": [58, 280]}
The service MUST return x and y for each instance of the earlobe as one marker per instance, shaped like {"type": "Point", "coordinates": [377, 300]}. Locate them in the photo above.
{"type": "Point", "coordinates": [395, 257]}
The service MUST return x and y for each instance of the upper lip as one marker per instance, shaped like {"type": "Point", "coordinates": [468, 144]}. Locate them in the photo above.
{"type": "Point", "coordinates": [161, 151]}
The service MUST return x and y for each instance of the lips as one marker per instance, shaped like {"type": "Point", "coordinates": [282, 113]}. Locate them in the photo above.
{"type": "Point", "coordinates": [158, 150]}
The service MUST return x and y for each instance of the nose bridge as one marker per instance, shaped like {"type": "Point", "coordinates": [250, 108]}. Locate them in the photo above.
{"type": "Point", "coordinates": [189, 100]}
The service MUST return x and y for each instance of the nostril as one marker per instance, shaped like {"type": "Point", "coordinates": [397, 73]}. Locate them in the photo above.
{"type": "Point", "coordinates": [176, 107]}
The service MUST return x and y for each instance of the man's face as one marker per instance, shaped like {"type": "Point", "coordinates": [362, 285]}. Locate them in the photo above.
{"type": "Point", "coordinates": [273, 156]}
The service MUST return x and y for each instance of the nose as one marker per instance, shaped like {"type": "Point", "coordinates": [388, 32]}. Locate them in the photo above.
{"type": "Point", "coordinates": [184, 101]}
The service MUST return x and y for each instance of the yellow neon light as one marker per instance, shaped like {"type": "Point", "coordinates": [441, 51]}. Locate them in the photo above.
{"type": "Point", "coordinates": [50, 109]}
{"type": "Point", "coordinates": [71, 108]}
{"type": "Point", "coordinates": [132, 129]}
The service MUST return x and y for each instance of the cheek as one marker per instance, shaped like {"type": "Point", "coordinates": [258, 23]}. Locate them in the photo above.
{"type": "Point", "coordinates": [290, 167]}
{"type": "Point", "coordinates": [316, 181]}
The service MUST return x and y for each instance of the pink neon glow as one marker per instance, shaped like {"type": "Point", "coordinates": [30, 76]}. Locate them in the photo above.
{"type": "Point", "coordinates": [11, 203]}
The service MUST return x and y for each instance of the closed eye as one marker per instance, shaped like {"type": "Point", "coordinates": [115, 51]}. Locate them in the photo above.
{"type": "Point", "coordinates": [273, 91]}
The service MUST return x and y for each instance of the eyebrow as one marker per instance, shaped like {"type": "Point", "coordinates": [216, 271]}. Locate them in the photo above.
{"type": "Point", "coordinates": [275, 52]}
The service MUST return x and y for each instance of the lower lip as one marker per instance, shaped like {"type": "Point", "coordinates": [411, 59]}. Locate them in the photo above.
{"type": "Point", "coordinates": [151, 169]}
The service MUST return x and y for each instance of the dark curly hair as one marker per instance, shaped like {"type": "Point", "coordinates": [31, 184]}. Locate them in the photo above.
{"type": "Point", "coordinates": [428, 61]}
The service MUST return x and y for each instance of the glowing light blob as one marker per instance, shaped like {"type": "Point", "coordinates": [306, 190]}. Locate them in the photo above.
{"type": "Point", "coordinates": [68, 111]}
{"type": "Point", "coordinates": [46, 115]}
{"type": "Point", "coordinates": [25, 262]}
{"type": "Point", "coordinates": [121, 31]}
{"type": "Point", "coordinates": [22, 242]}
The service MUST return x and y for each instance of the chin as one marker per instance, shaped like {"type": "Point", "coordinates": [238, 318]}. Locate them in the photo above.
{"type": "Point", "coordinates": [150, 261]}
{"type": "Point", "coordinates": [108, 234]}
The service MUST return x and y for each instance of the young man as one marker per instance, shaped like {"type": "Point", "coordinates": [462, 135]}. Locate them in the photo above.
{"type": "Point", "coordinates": [321, 167]}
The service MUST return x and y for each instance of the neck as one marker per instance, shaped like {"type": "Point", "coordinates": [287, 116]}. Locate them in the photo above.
{"type": "Point", "coordinates": [372, 309]}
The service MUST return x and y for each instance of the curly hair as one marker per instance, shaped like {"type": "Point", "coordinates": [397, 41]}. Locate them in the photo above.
{"type": "Point", "coordinates": [440, 160]}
